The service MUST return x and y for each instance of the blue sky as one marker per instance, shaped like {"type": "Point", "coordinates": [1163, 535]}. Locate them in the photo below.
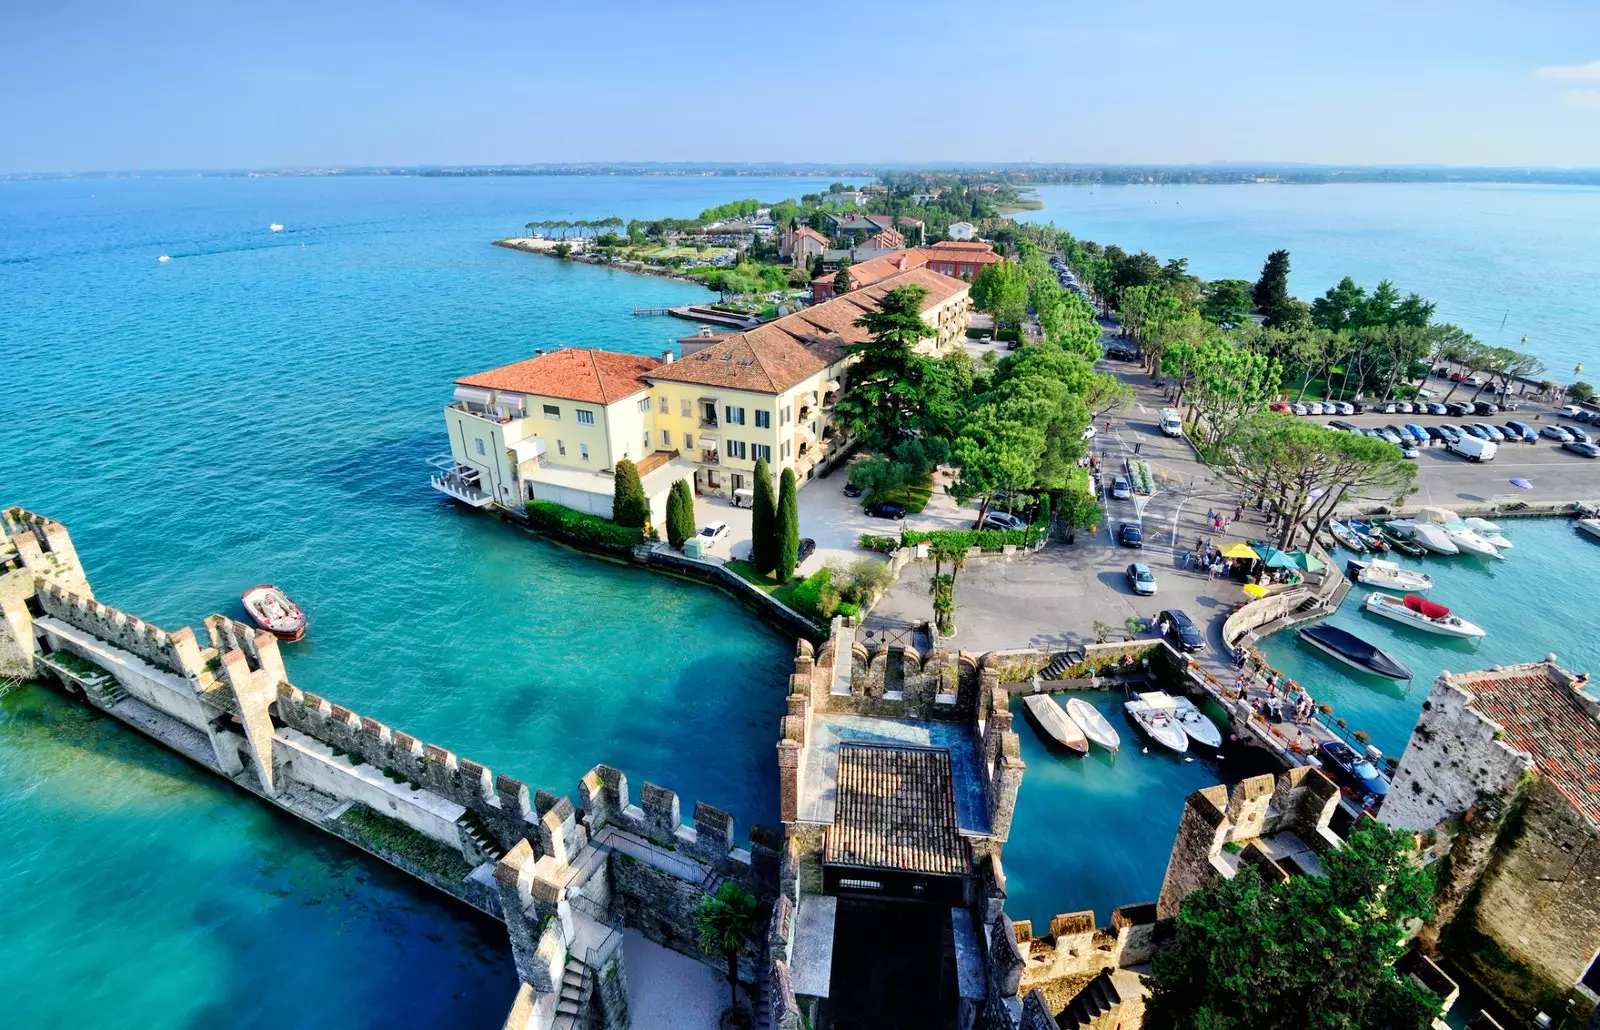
{"type": "Point", "coordinates": [140, 84]}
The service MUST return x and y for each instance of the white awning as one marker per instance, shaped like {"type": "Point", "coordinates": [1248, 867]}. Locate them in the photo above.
{"type": "Point", "coordinates": [708, 441]}
{"type": "Point", "coordinates": [832, 386]}
{"type": "Point", "coordinates": [473, 395]}
{"type": "Point", "coordinates": [511, 400]}
{"type": "Point", "coordinates": [805, 431]}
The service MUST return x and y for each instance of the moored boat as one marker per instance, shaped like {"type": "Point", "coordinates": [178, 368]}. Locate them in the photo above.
{"type": "Point", "coordinates": [1590, 526]}
{"type": "Point", "coordinates": [1345, 536]}
{"type": "Point", "coordinates": [1433, 537]}
{"type": "Point", "coordinates": [1471, 542]}
{"type": "Point", "coordinates": [1093, 724]}
{"type": "Point", "coordinates": [1346, 647]}
{"type": "Point", "coordinates": [274, 612]}
{"type": "Point", "coordinates": [1409, 548]}
{"type": "Point", "coordinates": [1422, 614]}
{"type": "Point", "coordinates": [1368, 534]}
{"type": "Point", "coordinates": [1157, 715]}
{"type": "Point", "coordinates": [1195, 725]}
{"type": "Point", "coordinates": [1380, 573]}
{"type": "Point", "coordinates": [1489, 531]}
{"type": "Point", "coordinates": [1056, 723]}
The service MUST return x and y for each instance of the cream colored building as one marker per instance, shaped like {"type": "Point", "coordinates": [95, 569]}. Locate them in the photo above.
{"type": "Point", "coordinates": [554, 426]}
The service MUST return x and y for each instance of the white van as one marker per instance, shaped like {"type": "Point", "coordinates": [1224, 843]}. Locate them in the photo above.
{"type": "Point", "coordinates": [1172, 422]}
{"type": "Point", "coordinates": [1472, 448]}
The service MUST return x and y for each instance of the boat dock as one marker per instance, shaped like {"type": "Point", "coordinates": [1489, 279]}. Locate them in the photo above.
{"type": "Point", "coordinates": [700, 313]}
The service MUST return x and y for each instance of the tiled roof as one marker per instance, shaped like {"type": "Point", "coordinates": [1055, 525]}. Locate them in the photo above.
{"type": "Point", "coordinates": [1546, 719]}
{"type": "Point", "coordinates": [896, 810]}
{"type": "Point", "coordinates": [773, 357]}
{"type": "Point", "coordinates": [806, 231]}
{"type": "Point", "coordinates": [573, 373]}
{"type": "Point", "coordinates": [871, 271]}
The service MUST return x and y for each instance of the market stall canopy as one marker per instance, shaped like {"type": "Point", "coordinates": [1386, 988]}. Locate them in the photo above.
{"type": "Point", "coordinates": [1307, 561]}
{"type": "Point", "coordinates": [1276, 559]}
{"type": "Point", "coordinates": [1239, 551]}
{"type": "Point", "coordinates": [1254, 589]}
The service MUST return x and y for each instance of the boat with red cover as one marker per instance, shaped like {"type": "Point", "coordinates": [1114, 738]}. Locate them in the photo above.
{"type": "Point", "coordinates": [274, 612]}
{"type": "Point", "coordinates": [1423, 614]}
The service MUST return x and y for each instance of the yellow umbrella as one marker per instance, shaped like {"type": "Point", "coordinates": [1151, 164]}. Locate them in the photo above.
{"type": "Point", "coordinates": [1239, 551]}
{"type": "Point", "coordinates": [1254, 589]}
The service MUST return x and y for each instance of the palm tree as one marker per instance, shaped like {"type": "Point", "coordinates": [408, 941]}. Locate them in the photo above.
{"type": "Point", "coordinates": [726, 920]}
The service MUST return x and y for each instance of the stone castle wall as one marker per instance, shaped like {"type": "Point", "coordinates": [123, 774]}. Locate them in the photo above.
{"type": "Point", "coordinates": [32, 549]}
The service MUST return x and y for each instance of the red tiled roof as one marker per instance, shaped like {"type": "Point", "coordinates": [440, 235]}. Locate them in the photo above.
{"type": "Point", "coordinates": [807, 231]}
{"type": "Point", "coordinates": [1547, 720]}
{"type": "Point", "coordinates": [870, 271]}
{"type": "Point", "coordinates": [573, 373]}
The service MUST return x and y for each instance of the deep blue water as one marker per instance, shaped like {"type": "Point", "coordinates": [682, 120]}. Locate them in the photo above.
{"type": "Point", "coordinates": [1501, 261]}
{"type": "Point", "coordinates": [260, 409]}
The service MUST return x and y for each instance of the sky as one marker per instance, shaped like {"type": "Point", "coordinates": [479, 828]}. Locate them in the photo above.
{"type": "Point", "coordinates": [216, 84]}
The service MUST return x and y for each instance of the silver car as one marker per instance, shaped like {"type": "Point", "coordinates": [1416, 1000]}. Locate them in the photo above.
{"type": "Point", "coordinates": [1141, 579]}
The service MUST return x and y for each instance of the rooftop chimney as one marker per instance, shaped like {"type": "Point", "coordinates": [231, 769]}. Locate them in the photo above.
{"type": "Point", "coordinates": [666, 357]}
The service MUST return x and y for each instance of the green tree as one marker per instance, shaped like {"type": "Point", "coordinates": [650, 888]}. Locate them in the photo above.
{"type": "Point", "coordinates": [892, 388]}
{"type": "Point", "coordinates": [764, 521]}
{"type": "Point", "coordinates": [680, 513]}
{"type": "Point", "coordinates": [1001, 290]}
{"type": "Point", "coordinates": [1314, 952]}
{"type": "Point", "coordinates": [1271, 292]}
{"type": "Point", "coordinates": [629, 505]}
{"type": "Point", "coordinates": [999, 448]}
{"type": "Point", "coordinates": [726, 921]}
{"type": "Point", "coordinates": [788, 527]}
{"type": "Point", "coordinates": [1580, 392]}
{"type": "Point", "coordinates": [1342, 307]}
{"type": "Point", "coordinates": [1226, 302]}
{"type": "Point", "coordinates": [562, 250]}
{"type": "Point", "coordinates": [842, 282]}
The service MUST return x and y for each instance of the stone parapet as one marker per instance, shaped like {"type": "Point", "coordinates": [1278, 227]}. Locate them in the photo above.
{"type": "Point", "coordinates": [175, 652]}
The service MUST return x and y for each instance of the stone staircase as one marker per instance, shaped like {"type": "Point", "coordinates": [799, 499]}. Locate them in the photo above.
{"type": "Point", "coordinates": [473, 829]}
{"type": "Point", "coordinates": [1060, 662]}
{"type": "Point", "coordinates": [764, 1005]}
{"type": "Point", "coordinates": [572, 1000]}
{"type": "Point", "coordinates": [1098, 997]}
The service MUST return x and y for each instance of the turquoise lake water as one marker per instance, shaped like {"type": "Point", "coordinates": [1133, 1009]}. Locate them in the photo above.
{"type": "Point", "coordinates": [260, 408]}
{"type": "Point", "coordinates": [1486, 253]}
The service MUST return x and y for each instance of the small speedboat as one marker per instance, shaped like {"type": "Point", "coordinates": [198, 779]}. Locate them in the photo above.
{"type": "Point", "coordinates": [1381, 573]}
{"type": "Point", "coordinates": [1056, 723]}
{"type": "Point", "coordinates": [1368, 535]}
{"type": "Point", "coordinates": [1157, 715]}
{"type": "Point", "coordinates": [1093, 724]}
{"type": "Point", "coordinates": [1345, 536]}
{"type": "Point", "coordinates": [1433, 537]}
{"type": "Point", "coordinates": [1346, 647]}
{"type": "Point", "coordinates": [1471, 542]}
{"type": "Point", "coordinates": [1590, 526]}
{"type": "Point", "coordinates": [275, 227]}
{"type": "Point", "coordinates": [1489, 531]}
{"type": "Point", "coordinates": [274, 612]}
{"type": "Point", "coordinates": [164, 258]}
{"type": "Point", "coordinates": [1420, 613]}
{"type": "Point", "coordinates": [1195, 725]}
{"type": "Point", "coordinates": [1409, 548]}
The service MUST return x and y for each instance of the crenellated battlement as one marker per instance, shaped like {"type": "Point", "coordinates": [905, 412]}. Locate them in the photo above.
{"type": "Point", "coordinates": [1077, 947]}
{"type": "Point", "coordinates": [176, 652]}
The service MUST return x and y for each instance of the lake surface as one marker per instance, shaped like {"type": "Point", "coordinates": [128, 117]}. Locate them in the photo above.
{"type": "Point", "coordinates": [1488, 254]}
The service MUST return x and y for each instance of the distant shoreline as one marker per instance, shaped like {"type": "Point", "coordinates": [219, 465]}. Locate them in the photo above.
{"type": "Point", "coordinates": [527, 245]}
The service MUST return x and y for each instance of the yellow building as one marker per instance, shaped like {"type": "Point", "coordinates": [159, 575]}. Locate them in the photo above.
{"type": "Point", "coordinates": [554, 426]}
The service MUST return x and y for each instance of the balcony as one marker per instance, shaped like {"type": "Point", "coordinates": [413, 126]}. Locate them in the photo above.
{"type": "Point", "coordinates": [495, 416]}
{"type": "Point", "coordinates": [459, 482]}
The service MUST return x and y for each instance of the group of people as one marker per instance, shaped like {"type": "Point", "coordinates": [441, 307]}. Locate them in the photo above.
{"type": "Point", "coordinates": [1209, 558]}
{"type": "Point", "coordinates": [1283, 701]}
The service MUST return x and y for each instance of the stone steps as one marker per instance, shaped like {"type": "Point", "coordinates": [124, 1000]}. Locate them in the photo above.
{"type": "Point", "coordinates": [571, 1001]}
{"type": "Point", "coordinates": [472, 827]}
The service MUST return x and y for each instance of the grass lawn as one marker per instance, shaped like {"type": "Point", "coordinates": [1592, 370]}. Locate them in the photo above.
{"type": "Point", "coordinates": [747, 572]}
{"type": "Point", "coordinates": [914, 496]}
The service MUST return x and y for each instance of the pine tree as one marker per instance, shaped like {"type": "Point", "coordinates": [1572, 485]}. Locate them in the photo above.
{"type": "Point", "coordinates": [788, 528]}
{"type": "Point", "coordinates": [629, 506]}
{"type": "Point", "coordinates": [1271, 291]}
{"type": "Point", "coordinates": [680, 513]}
{"type": "Point", "coordinates": [764, 521]}
{"type": "Point", "coordinates": [841, 280]}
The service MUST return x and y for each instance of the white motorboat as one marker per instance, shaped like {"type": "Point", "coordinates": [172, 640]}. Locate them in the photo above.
{"type": "Point", "coordinates": [1346, 536]}
{"type": "Point", "coordinates": [1379, 572]}
{"type": "Point", "coordinates": [1056, 722]}
{"type": "Point", "coordinates": [1469, 541]}
{"type": "Point", "coordinates": [1422, 614]}
{"type": "Point", "coordinates": [1489, 531]}
{"type": "Point", "coordinates": [1590, 526]}
{"type": "Point", "coordinates": [275, 227]}
{"type": "Point", "coordinates": [1482, 525]}
{"type": "Point", "coordinates": [1093, 724]}
{"type": "Point", "coordinates": [1195, 725]}
{"type": "Point", "coordinates": [1433, 537]}
{"type": "Point", "coordinates": [164, 258]}
{"type": "Point", "coordinates": [1157, 715]}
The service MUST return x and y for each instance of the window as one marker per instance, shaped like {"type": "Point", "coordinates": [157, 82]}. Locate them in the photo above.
{"type": "Point", "coordinates": [683, 408]}
{"type": "Point", "coordinates": [644, 405]}
{"type": "Point", "coordinates": [479, 441]}
{"type": "Point", "coordinates": [666, 440]}
{"type": "Point", "coordinates": [583, 451]}
{"type": "Point", "coordinates": [784, 450]}
{"type": "Point", "coordinates": [761, 450]}
{"type": "Point", "coordinates": [663, 405]}
{"type": "Point", "coordinates": [786, 416]}
{"type": "Point", "coordinates": [561, 448]}
{"type": "Point", "coordinates": [735, 416]}
{"type": "Point", "coordinates": [763, 420]}
{"type": "Point", "coordinates": [585, 417]}
{"type": "Point", "coordinates": [552, 412]}
{"type": "Point", "coordinates": [646, 441]}
{"type": "Point", "coordinates": [737, 449]}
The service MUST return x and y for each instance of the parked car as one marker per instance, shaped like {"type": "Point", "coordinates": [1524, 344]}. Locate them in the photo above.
{"type": "Point", "coordinates": [1345, 408]}
{"type": "Point", "coordinates": [1343, 427]}
{"type": "Point", "coordinates": [1404, 407]}
{"type": "Point", "coordinates": [1141, 579]}
{"type": "Point", "coordinates": [1451, 433]}
{"type": "Point", "coordinates": [1389, 435]}
{"type": "Point", "coordinates": [1443, 372]}
{"type": "Point", "coordinates": [1474, 449]}
{"type": "Point", "coordinates": [1298, 408]}
{"type": "Point", "coordinates": [1350, 770]}
{"type": "Point", "coordinates": [1521, 431]}
{"type": "Point", "coordinates": [1386, 408]}
{"type": "Point", "coordinates": [1281, 407]}
{"type": "Point", "coordinates": [1003, 520]}
{"type": "Point", "coordinates": [886, 510]}
{"type": "Point", "coordinates": [1473, 429]}
{"type": "Point", "coordinates": [1458, 409]}
{"type": "Point", "coordinates": [851, 490]}
{"type": "Point", "coordinates": [1314, 408]}
{"type": "Point", "coordinates": [1128, 535]}
{"type": "Point", "coordinates": [808, 547]}
{"type": "Point", "coordinates": [1417, 432]}
{"type": "Point", "coordinates": [1435, 408]}
{"type": "Point", "coordinates": [1491, 432]}
{"type": "Point", "coordinates": [1578, 434]}
{"type": "Point", "coordinates": [1559, 433]}
{"type": "Point", "coordinates": [1570, 411]}
{"type": "Point", "coordinates": [1359, 406]}
{"type": "Point", "coordinates": [1400, 433]}
{"type": "Point", "coordinates": [1121, 489]}
{"type": "Point", "coordinates": [1436, 435]}
{"type": "Point", "coordinates": [1588, 450]}
{"type": "Point", "coordinates": [1180, 630]}
{"type": "Point", "coordinates": [712, 533]}
{"type": "Point", "coordinates": [1409, 449]}
{"type": "Point", "coordinates": [1586, 415]}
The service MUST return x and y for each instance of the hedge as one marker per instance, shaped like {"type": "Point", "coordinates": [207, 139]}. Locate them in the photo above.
{"type": "Point", "coordinates": [963, 539]}
{"type": "Point", "coordinates": [881, 544]}
{"type": "Point", "coordinates": [580, 526]}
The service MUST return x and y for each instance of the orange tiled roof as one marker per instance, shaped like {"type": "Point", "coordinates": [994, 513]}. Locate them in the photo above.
{"type": "Point", "coordinates": [805, 231]}
{"type": "Point", "coordinates": [873, 269]}
{"type": "Point", "coordinates": [573, 373]}
{"type": "Point", "coordinates": [1548, 721]}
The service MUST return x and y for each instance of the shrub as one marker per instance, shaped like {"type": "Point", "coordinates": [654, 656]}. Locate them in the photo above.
{"type": "Point", "coordinates": [580, 527]}
{"type": "Point", "coordinates": [807, 594]}
{"type": "Point", "coordinates": [881, 544]}
{"type": "Point", "coordinates": [864, 581]}
{"type": "Point", "coordinates": [963, 539]}
{"type": "Point", "coordinates": [849, 608]}
{"type": "Point", "coordinates": [680, 513]}
{"type": "Point", "coordinates": [629, 505]}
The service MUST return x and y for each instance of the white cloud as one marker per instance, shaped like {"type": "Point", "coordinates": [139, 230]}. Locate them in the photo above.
{"type": "Point", "coordinates": [1581, 97]}
{"type": "Point", "coordinates": [1569, 71]}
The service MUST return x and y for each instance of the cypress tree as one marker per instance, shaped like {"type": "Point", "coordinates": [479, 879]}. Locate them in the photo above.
{"type": "Point", "coordinates": [788, 528]}
{"type": "Point", "coordinates": [680, 513]}
{"type": "Point", "coordinates": [629, 506]}
{"type": "Point", "coordinates": [764, 521]}
{"type": "Point", "coordinates": [842, 281]}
